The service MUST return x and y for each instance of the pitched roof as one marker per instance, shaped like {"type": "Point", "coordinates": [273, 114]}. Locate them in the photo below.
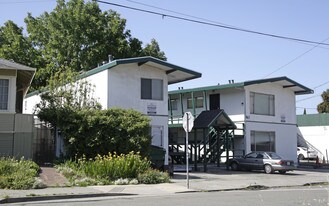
{"type": "Point", "coordinates": [215, 118]}
{"type": "Point", "coordinates": [285, 82]}
{"type": "Point", "coordinates": [25, 74]}
{"type": "Point", "coordinates": [175, 73]}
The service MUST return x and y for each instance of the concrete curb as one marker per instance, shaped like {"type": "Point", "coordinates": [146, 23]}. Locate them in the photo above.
{"type": "Point", "coordinates": [75, 196]}
{"type": "Point", "coordinates": [59, 197]}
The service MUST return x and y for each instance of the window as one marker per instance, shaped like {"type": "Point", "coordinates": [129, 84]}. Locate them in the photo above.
{"type": "Point", "coordinates": [262, 104]}
{"type": "Point", "coordinates": [4, 90]}
{"type": "Point", "coordinates": [262, 141]}
{"type": "Point", "coordinates": [198, 101]}
{"type": "Point", "coordinates": [157, 135]}
{"type": "Point", "coordinates": [152, 89]}
{"type": "Point", "coordinates": [174, 104]}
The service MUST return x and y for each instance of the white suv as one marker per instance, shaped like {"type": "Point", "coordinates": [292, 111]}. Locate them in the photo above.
{"type": "Point", "coordinates": [304, 153]}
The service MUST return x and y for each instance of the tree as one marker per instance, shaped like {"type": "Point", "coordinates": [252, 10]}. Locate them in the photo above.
{"type": "Point", "coordinates": [14, 46]}
{"type": "Point", "coordinates": [323, 107]}
{"type": "Point", "coordinates": [79, 35]}
{"type": "Point", "coordinates": [153, 49]}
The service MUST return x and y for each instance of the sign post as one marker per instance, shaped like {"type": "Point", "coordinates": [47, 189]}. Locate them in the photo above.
{"type": "Point", "coordinates": [188, 123]}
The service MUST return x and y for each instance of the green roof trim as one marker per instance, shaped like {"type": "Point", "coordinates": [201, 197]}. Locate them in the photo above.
{"type": "Point", "coordinates": [216, 87]}
{"type": "Point", "coordinates": [276, 79]}
{"type": "Point", "coordinates": [313, 120]}
{"type": "Point", "coordinates": [305, 90]}
{"type": "Point", "coordinates": [140, 61]}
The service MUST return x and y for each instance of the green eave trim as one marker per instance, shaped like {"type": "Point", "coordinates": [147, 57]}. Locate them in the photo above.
{"type": "Point", "coordinates": [276, 79]}
{"type": "Point", "coordinates": [141, 61]}
{"type": "Point", "coordinates": [138, 60]}
{"type": "Point", "coordinates": [305, 90]}
{"type": "Point", "coordinates": [217, 87]}
{"type": "Point", "coordinates": [175, 125]}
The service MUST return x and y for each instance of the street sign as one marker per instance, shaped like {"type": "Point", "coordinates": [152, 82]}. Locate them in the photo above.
{"type": "Point", "coordinates": [188, 121]}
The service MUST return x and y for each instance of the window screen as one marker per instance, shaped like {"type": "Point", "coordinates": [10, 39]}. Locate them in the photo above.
{"type": "Point", "coordinates": [4, 90]}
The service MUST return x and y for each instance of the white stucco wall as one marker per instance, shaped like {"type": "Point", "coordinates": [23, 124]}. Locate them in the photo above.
{"type": "Point", "coordinates": [29, 104]}
{"type": "Point", "coordinates": [100, 81]}
{"type": "Point", "coordinates": [125, 88]}
{"type": "Point", "coordinates": [124, 91]}
{"type": "Point", "coordinates": [318, 136]}
{"type": "Point", "coordinates": [285, 131]}
{"type": "Point", "coordinates": [284, 103]}
{"type": "Point", "coordinates": [285, 137]}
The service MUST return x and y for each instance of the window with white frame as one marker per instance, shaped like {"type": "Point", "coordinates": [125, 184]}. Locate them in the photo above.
{"type": "Point", "coordinates": [152, 89]}
{"type": "Point", "coordinates": [4, 93]}
{"type": "Point", "coordinates": [198, 101]}
{"type": "Point", "coordinates": [262, 104]}
{"type": "Point", "coordinates": [262, 141]}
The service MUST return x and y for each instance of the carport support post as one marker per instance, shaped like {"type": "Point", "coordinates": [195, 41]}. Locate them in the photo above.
{"type": "Point", "coordinates": [204, 151]}
{"type": "Point", "coordinates": [217, 148]}
{"type": "Point", "coordinates": [195, 151]}
{"type": "Point", "coordinates": [226, 146]}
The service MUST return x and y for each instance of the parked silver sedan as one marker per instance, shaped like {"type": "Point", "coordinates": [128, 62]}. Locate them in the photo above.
{"type": "Point", "coordinates": [267, 161]}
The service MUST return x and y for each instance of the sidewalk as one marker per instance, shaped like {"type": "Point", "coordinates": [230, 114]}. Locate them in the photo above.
{"type": "Point", "coordinates": [215, 180]}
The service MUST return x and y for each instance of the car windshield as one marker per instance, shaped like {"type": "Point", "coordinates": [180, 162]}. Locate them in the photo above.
{"type": "Point", "coordinates": [273, 155]}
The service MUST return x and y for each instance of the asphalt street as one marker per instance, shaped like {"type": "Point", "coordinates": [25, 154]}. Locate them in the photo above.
{"type": "Point", "coordinates": [315, 196]}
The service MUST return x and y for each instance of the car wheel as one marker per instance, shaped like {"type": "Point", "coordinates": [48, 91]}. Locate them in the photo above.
{"type": "Point", "coordinates": [282, 171]}
{"type": "Point", "coordinates": [300, 156]}
{"type": "Point", "coordinates": [234, 166]}
{"type": "Point", "coordinates": [268, 169]}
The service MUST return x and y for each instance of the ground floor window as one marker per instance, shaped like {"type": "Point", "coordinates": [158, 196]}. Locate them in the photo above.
{"type": "Point", "coordinates": [157, 135]}
{"type": "Point", "coordinates": [262, 141]}
{"type": "Point", "coordinates": [4, 92]}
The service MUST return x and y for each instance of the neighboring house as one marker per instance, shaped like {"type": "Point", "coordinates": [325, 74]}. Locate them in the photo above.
{"type": "Point", "coordinates": [263, 112]}
{"type": "Point", "coordinates": [135, 83]}
{"type": "Point", "coordinates": [314, 131]}
{"type": "Point", "coordinates": [16, 129]}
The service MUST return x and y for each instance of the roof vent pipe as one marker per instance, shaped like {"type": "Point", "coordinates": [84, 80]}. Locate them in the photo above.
{"type": "Point", "coordinates": [110, 57]}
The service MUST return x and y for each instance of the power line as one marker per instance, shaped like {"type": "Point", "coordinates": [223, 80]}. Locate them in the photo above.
{"type": "Point", "coordinates": [183, 14]}
{"type": "Point", "coordinates": [214, 24]}
{"type": "Point", "coordinates": [299, 56]}
{"type": "Point", "coordinates": [311, 97]}
{"type": "Point", "coordinates": [321, 85]}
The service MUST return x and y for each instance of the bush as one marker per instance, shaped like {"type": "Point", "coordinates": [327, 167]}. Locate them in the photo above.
{"type": "Point", "coordinates": [18, 174]}
{"type": "Point", "coordinates": [104, 169]}
{"type": "Point", "coordinates": [152, 176]}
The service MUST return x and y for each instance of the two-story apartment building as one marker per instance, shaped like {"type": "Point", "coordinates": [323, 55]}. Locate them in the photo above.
{"type": "Point", "coordinates": [135, 83]}
{"type": "Point", "coordinates": [263, 111]}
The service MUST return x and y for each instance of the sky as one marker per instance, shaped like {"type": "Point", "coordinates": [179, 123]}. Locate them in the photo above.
{"type": "Point", "coordinates": [221, 54]}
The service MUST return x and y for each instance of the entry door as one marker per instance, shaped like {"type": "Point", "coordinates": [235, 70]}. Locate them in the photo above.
{"type": "Point", "coordinates": [214, 101]}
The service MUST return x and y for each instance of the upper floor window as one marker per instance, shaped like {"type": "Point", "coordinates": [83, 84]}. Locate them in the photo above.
{"type": "Point", "coordinates": [262, 104]}
{"type": "Point", "coordinates": [174, 104]}
{"type": "Point", "coordinates": [152, 89]}
{"type": "Point", "coordinates": [4, 92]}
{"type": "Point", "coordinates": [198, 102]}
